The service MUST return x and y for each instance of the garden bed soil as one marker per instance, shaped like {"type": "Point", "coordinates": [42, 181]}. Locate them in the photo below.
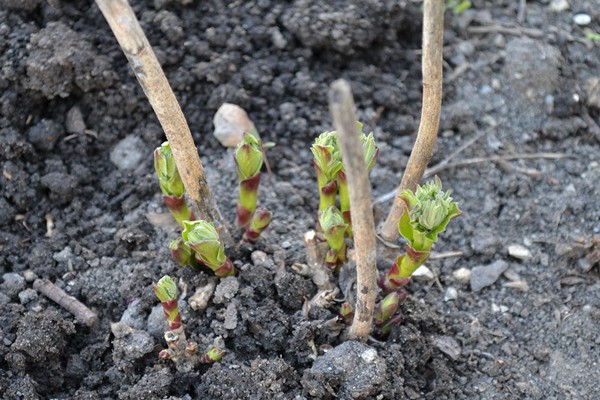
{"type": "Point", "coordinates": [80, 204]}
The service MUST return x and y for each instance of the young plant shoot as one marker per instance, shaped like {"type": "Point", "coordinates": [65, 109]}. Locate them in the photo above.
{"type": "Point", "coordinates": [182, 352]}
{"type": "Point", "coordinates": [249, 159]}
{"type": "Point", "coordinates": [385, 316]}
{"type": "Point", "coordinates": [171, 184]}
{"type": "Point", "coordinates": [426, 213]}
{"type": "Point", "coordinates": [328, 162]}
{"type": "Point", "coordinates": [371, 152]}
{"type": "Point", "coordinates": [334, 229]}
{"type": "Point", "coordinates": [202, 237]}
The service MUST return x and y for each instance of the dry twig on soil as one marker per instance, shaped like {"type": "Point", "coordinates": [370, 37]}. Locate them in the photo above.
{"type": "Point", "coordinates": [433, 29]}
{"type": "Point", "coordinates": [69, 303]}
{"type": "Point", "coordinates": [341, 105]}
{"type": "Point", "coordinates": [151, 77]}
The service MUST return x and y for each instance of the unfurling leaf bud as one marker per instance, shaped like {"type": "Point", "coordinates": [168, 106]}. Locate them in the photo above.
{"type": "Point", "coordinates": [327, 156]}
{"type": "Point", "coordinates": [166, 289]}
{"type": "Point", "coordinates": [181, 253]}
{"type": "Point", "coordinates": [347, 313]}
{"type": "Point", "coordinates": [203, 238]}
{"type": "Point", "coordinates": [260, 221]}
{"type": "Point", "coordinates": [214, 354]}
{"type": "Point", "coordinates": [334, 227]}
{"type": "Point", "coordinates": [166, 170]}
{"type": "Point", "coordinates": [248, 157]}
{"type": "Point", "coordinates": [388, 307]}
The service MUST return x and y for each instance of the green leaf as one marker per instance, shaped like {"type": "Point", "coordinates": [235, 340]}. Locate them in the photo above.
{"type": "Point", "coordinates": [327, 155]}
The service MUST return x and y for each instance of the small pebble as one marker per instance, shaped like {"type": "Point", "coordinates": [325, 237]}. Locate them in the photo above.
{"type": "Point", "coordinates": [129, 153]}
{"type": "Point", "coordinates": [226, 290]}
{"type": "Point", "coordinates": [450, 294]}
{"type": "Point", "coordinates": [559, 5]}
{"type": "Point", "coordinates": [27, 296]}
{"type": "Point", "coordinates": [519, 285]}
{"type": "Point", "coordinates": [485, 275]}
{"type": "Point", "coordinates": [231, 122]}
{"type": "Point", "coordinates": [463, 275]}
{"type": "Point", "coordinates": [582, 19]}
{"type": "Point", "coordinates": [423, 274]}
{"type": "Point", "coordinates": [29, 275]}
{"type": "Point", "coordinates": [13, 284]}
{"type": "Point", "coordinates": [448, 345]}
{"type": "Point", "coordinates": [519, 251]}
{"type": "Point", "coordinates": [74, 122]}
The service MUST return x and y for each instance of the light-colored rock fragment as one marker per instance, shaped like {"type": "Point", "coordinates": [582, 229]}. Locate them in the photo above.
{"type": "Point", "coordinates": [559, 5]}
{"type": "Point", "coordinates": [231, 122]}
{"type": "Point", "coordinates": [519, 285]}
{"type": "Point", "coordinates": [519, 251]}
{"type": "Point", "coordinates": [423, 274]}
{"type": "Point", "coordinates": [450, 294]}
{"type": "Point", "coordinates": [582, 19]}
{"type": "Point", "coordinates": [463, 275]}
{"type": "Point", "coordinates": [485, 275]}
{"type": "Point", "coordinates": [199, 300]}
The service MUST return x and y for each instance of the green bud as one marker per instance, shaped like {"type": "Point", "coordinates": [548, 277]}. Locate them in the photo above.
{"type": "Point", "coordinates": [387, 308]}
{"type": "Point", "coordinates": [181, 253]}
{"type": "Point", "coordinates": [334, 227]}
{"type": "Point", "coordinates": [166, 289]}
{"type": "Point", "coordinates": [214, 354]}
{"type": "Point", "coordinates": [166, 170]}
{"type": "Point", "coordinates": [327, 156]}
{"type": "Point", "coordinates": [203, 238]}
{"type": "Point", "coordinates": [430, 209]}
{"type": "Point", "coordinates": [370, 149]}
{"type": "Point", "coordinates": [248, 157]}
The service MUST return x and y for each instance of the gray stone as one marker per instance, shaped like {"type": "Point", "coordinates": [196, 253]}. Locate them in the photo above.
{"type": "Point", "coordinates": [483, 276]}
{"type": "Point", "coordinates": [450, 294]}
{"type": "Point", "coordinates": [64, 255]}
{"type": "Point", "coordinates": [353, 368]}
{"type": "Point", "coordinates": [157, 324]}
{"type": "Point", "coordinates": [129, 153]}
{"type": "Point", "coordinates": [27, 296]}
{"type": "Point", "coordinates": [129, 345]}
{"type": "Point", "coordinates": [134, 315]}
{"type": "Point", "coordinates": [13, 284]}
{"type": "Point", "coordinates": [226, 290]}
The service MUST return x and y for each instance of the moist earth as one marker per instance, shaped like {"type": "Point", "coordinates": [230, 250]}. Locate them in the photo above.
{"type": "Point", "coordinates": [511, 306]}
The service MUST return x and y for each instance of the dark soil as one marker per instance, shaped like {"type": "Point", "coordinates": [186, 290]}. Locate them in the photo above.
{"type": "Point", "coordinates": [91, 223]}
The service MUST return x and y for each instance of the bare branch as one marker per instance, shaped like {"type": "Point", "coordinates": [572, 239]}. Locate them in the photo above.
{"type": "Point", "coordinates": [151, 77]}
{"type": "Point", "coordinates": [433, 30]}
{"type": "Point", "coordinates": [69, 303]}
{"type": "Point", "coordinates": [341, 105]}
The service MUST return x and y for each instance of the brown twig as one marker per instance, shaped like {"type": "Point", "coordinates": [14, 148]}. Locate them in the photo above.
{"type": "Point", "coordinates": [151, 77]}
{"type": "Point", "coordinates": [477, 160]}
{"type": "Point", "coordinates": [69, 303]}
{"type": "Point", "coordinates": [506, 30]}
{"type": "Point", "coordinates": [433, 29]}
{"type": "Point", "coordinates": [341, 105]}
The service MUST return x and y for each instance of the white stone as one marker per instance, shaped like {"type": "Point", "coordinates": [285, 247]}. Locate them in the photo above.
{"type": "Point", "coordinates": [231, 122]}
{"type": "Point", "coordinates": [582, 19]}
{"type": "Point", "coordinates": [423, 274]}
{"type": "Point", "coordinates": [463, 275]}
{"type": "Point", "coordinates": [450, 294]}
{"type": "Point", "coordinates": [129, 153]}
{"type": "Point", "coordinates": [559, 5]}
{"type": "Point", "coordinates": [519, 251]}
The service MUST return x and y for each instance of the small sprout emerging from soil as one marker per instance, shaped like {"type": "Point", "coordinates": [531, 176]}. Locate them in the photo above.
{"type": "Point", "coordinates": [328, 162]}
{"type": "Point", "coordinates": [346, 313]}
{"type": "Point", "coordinates": [249, 159]}
{"type": "Point", "coordinates": [426, 213]}
{"type": "Point", "coordinates": [202, 237]}
{"type": "Point", "coordinates": [385, 313]}
{"type": "Point", "coordinates": [182, 352]}
{"type": "Point", "coordinates": [213, 354]}
{"type": "Point", "coordinates": [166, 291]}
{"type": "Point", "coordinates": [171, 184]}
{"type": "Point", "coordinates": [334, 229]}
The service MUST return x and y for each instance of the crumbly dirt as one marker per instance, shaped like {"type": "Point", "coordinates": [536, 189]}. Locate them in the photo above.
{"type": "Point", "coordinates": [528, 84]}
